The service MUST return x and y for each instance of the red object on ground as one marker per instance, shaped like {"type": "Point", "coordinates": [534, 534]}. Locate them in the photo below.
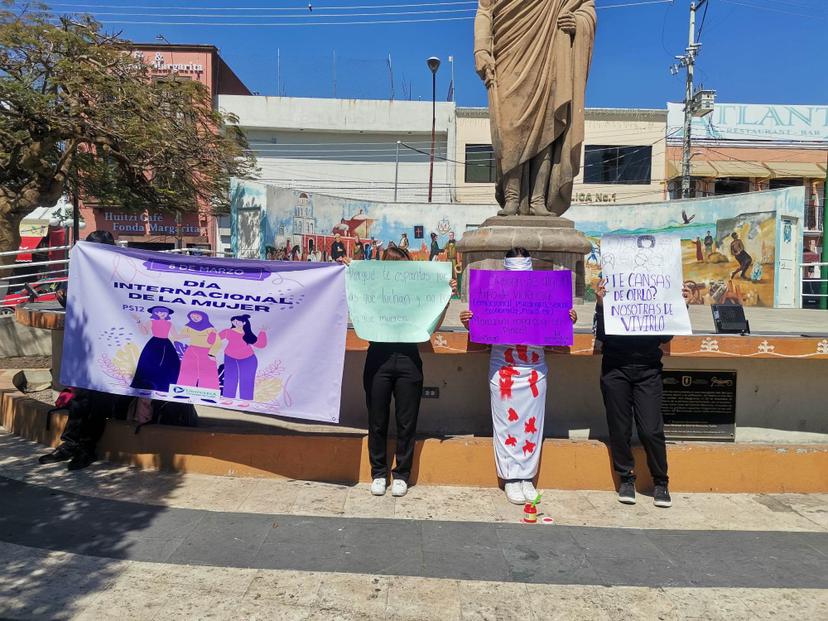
{"type": "Point", "coordinates": [530, 513]}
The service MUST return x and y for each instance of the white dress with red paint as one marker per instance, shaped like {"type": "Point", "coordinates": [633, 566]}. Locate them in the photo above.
{"type": "Point", "coordinates": [517, 381]}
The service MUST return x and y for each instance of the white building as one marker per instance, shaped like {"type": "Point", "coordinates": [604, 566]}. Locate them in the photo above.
{"type": "Point", "coordinates": [623, 160]}
{"type": "Point", "coordinates": [349, 147]}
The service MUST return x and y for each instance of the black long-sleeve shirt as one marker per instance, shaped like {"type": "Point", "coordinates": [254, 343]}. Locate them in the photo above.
{"type": "Point", "coordinates": [623, 350]}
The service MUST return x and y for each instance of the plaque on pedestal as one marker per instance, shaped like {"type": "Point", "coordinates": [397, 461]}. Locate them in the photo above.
{"type": "Point", "coordinates": [699, 405]}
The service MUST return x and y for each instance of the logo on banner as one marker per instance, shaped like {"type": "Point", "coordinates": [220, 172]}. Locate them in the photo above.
{"type": "Point", "coordinates": [194, 392]}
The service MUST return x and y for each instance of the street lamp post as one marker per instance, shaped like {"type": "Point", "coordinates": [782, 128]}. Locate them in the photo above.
{"type": "Point", "coordinates": [433, 64]}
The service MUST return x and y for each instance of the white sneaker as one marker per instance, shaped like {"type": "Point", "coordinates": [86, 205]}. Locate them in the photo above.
{"type": "Point", "coordinates": [514, 493]}
{"type": "Point", "coordinates": [529, 491]}
{"type": "Point", "coordinates": [378, 487]}
{"type": "Point", "coordinates": [399, 488]}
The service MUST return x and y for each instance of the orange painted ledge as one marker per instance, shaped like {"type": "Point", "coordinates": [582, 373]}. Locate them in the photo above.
{"type": "Point", "coordinates": [700, 346]}
{"type": "Point", "coordinates": [457, 342]}
{"type": "Point", "coordinates": [462, 461]}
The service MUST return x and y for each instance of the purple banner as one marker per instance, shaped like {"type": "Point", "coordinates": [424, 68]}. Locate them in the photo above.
{"type": "Point", "coordinates": [520, 308]}
{"type": "Point", "coordinates": [207, 337]}
{"type": "Point", "coordinates": [205, 266]}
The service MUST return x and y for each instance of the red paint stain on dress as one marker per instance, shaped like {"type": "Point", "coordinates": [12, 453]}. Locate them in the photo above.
{"type": "Point", "coordinates": [506, 381]}
{"type": "Point", "coordinates": [533, 384]}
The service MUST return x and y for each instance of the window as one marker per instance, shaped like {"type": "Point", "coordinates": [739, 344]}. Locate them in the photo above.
{"type": "Point", "coordinates": [625, 165]}
{"type": "Point", "coordinates": [480, 163]}
{"type": "Point", "coordinates": [732, 185]}
{"type": "Point", "coordinates": [778, 184]}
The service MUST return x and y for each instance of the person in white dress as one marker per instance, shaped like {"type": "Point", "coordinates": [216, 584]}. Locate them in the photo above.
{"type": "Point", "coordinates": [517, 383]}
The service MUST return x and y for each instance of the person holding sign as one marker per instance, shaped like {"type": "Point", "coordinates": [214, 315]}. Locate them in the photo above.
{"type": "Point", "coordinates": [631, 386]}
{"type": "Point", "coordinates": [517, 383]}
{"type": "Point", "coordinates": [394, 310]}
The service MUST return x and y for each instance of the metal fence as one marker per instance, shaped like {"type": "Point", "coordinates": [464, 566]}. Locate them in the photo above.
{"type": "Point", "coordinates": [813, 279]}
{"type": "Point", "coordinates": [33, 281]}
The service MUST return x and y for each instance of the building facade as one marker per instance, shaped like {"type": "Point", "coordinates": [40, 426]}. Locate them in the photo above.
{"type": "Point", "coordinates": [157, 230]}
{"type": "Point", "coordinates": [362, 149]}
{"type": "Point", "coordinates": [622, 160]}
{"type": "Point", "coordinates": [751, 147]}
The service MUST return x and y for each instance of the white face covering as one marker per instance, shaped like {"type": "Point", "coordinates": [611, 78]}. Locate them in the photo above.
{"type": "Point", "coordinates": [518, 264]}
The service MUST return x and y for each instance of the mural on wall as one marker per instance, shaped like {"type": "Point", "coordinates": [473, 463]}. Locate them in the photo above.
{"type": "Point", "coordinates": [728, 242]}
{"type": "Point", "coordinates": [247, 202]}
{"type": "Point", "coordinates": [300, 226]}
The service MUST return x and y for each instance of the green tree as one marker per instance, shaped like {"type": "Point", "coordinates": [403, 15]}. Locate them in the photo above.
{"type": "Point", "coordinates": [80, 114]}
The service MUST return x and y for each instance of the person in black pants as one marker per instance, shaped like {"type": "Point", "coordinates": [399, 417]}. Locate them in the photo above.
{"type": "Point", "coordinates": [88, 409]}
{"type": "Point", "coordinates": [393, 369]}
{"type": "Point", "coordinates": [632, 390]}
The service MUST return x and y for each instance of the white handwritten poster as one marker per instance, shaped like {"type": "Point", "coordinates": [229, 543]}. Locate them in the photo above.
{"type": "Point", "coordinates": [644, 283]}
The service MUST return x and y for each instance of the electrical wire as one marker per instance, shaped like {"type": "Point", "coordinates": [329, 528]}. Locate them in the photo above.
{"type": "Point", "coordinates": [421, 16]}
{"type": "Point", "coordinates": [704, 17]}
{"type": "Point", "coordinates": [248, 16]}
{"type": "Point", "coordinates": [745, 3]}
{"type": "Point", "coordinates": [260, 8]}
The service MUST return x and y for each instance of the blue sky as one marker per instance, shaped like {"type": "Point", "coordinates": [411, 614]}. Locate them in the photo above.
{"type": "Point", "coordinates": [754, 51]}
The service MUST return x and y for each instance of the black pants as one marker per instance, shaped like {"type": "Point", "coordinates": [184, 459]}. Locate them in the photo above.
{"type": "Point", "coordinates": [392, 369]}
{"type": "Point", "coordinates": [87, 415]}
{"type": "Point", "coordinates": [633, 391]}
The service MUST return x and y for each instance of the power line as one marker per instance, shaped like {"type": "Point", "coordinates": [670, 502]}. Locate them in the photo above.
{"type": "Point", "coordinates": [236, 24]}
{"type": "Point", "coordinates": [621, 6]}
{"type": "Point", "coordinates": [347, 16]}
{"type": "Point", "coordinates": [261, 8]}
{"type": "Point", "coordinates": [745, 3]}
{"type": "Point", "coordinates": [325, 8]}
{"type": "Point", "coordinates": [254, 16]}
{"type": "Point", "coordinates": [704, 17]}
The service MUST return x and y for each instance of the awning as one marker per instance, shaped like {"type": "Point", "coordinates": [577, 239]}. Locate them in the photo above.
{"type": "Point", "coordinates": [738, 168]}
{"type": "Point", "coordinates": [809, 170]}
{"type": "Point", "coordinates": [698, 168]}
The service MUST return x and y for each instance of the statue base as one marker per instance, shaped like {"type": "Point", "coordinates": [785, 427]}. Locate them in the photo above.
{"type": "Point", "coordinates": [555, 244]}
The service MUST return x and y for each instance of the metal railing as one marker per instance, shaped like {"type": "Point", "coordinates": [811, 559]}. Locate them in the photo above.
{"type": "Point", "coordinates": [811, 287]}
{"type": "Point", "coordinates": [38, 278]}
{"type": "Point", "coordinates": [9, 253]}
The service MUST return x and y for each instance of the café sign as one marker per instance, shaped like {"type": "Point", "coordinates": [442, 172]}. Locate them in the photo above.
{"type": "Point", "coordinates": [159, 64]}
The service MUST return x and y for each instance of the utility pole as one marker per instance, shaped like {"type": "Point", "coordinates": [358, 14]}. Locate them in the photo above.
{"type": "Point", "coordinates": [696, 103]}
{"type": "Point", "coordinates": [433, 64]}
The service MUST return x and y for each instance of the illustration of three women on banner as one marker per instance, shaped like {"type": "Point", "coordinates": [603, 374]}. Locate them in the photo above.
{"type": "Point", "coordinates": [160, 365]}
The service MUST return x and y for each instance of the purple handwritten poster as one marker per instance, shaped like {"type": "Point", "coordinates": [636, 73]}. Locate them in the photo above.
{"type": "Point", "coordinates": [520, 308]}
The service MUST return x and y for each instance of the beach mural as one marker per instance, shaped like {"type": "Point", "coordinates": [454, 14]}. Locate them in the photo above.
{"type": "Point", "coordinates": [729, 243]}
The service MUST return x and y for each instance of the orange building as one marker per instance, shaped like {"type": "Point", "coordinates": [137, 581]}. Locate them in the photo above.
{"type": "Point", "coordinates": [157, 230]}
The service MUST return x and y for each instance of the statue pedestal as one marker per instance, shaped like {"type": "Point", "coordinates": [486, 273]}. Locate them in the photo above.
{"type": "Point", "coordinates": [554, 243]}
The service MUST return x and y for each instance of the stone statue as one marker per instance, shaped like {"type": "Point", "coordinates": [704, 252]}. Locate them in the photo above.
{"type": "Point", "coordinates": [534, 56]}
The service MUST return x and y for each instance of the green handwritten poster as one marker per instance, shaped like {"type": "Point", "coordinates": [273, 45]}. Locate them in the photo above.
{"type": "Point", "coordinates": [397, 301]}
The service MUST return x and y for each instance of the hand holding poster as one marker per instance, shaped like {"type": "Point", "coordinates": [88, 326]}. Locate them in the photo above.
{"type": "Point", "coordinates": [397, 301]}
{"type": "Point", "coordinates": [644, 283]}
{"type": "Point", "coordinates": [520, 308]}
{"type": "Point", "coordinates": [254, 336]}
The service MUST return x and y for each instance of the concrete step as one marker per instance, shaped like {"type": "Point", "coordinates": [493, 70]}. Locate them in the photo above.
{"type": "Point", "coordinates": [321, 454]}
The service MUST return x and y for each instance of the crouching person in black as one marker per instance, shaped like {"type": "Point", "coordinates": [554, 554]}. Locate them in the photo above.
{"type": "Point", "coordinates": [632, 389]}
{"type": "Point", "coordinates": [88, 412]}
{"type": "Point", "coordinates": [88, 409]}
